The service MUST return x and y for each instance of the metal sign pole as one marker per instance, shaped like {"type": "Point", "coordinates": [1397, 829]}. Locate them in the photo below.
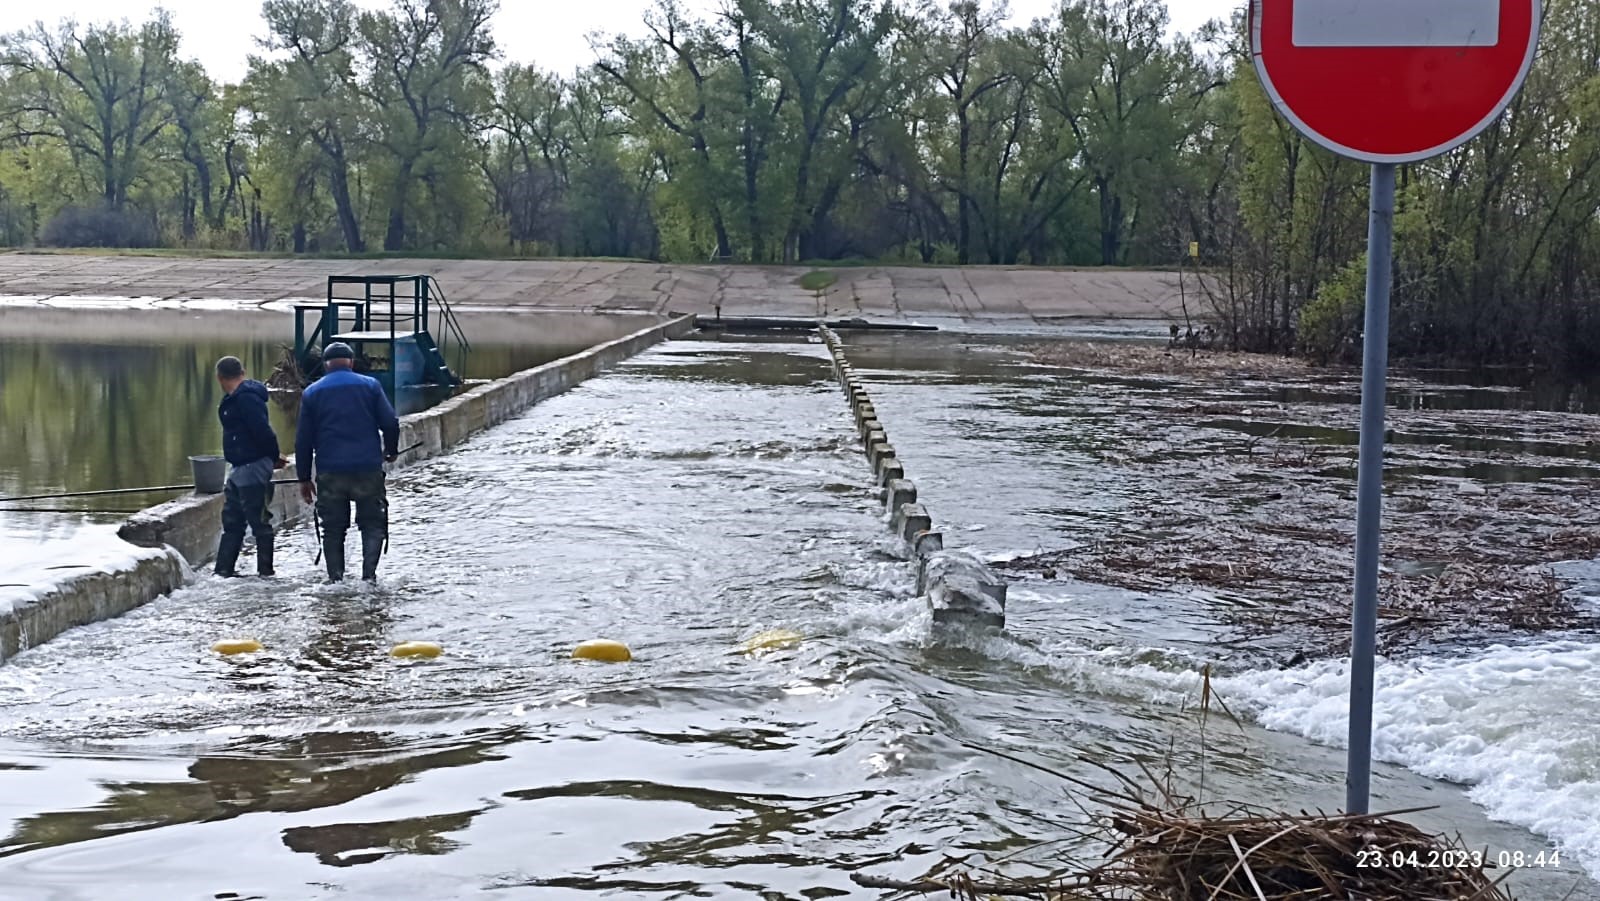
{"type": "Point", "coordinates": [1369, 487]}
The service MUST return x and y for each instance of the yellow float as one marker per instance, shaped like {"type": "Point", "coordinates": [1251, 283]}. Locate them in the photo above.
{"type": "Point", "coordinates": [603, 649]}
{"type": "Point", "coordinates": [771, 640]}
{"type": "Point", "coordinates": [231, 646]}
{"type": "Point", "coordinates": [424, 649]}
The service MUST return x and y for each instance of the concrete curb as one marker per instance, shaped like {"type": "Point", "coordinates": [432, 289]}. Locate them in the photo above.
{"type": "Point", "coordinates": [90, 597]}
{"type": "Point", "coordinates": [960, 589]}
{"type": "Point", "coordinates": [186, 530]}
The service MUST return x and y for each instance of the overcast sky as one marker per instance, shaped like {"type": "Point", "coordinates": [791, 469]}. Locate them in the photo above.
{"type": "Point", "coordinates": [551, 33]}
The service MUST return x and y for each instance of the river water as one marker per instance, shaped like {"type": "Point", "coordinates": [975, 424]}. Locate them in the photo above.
{"type": "Point", "coordinates": [695, 496]}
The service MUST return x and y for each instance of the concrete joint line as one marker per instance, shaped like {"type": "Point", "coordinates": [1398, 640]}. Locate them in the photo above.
{"type": "Point", "coordinates": [880, 452]}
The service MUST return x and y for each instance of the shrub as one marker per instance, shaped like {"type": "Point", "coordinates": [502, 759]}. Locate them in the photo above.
{"type": "Point", "coordinates": [817, 281]}
{"type": "Point", "coordinates": [99, 226]}
{"type": "Point", "coordinates": [1330, 323]}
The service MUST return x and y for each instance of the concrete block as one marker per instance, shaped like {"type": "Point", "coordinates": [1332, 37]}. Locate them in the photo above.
{"type": "Point", "coordinates": [899, 492]}
{"type": "Point", "coordinates": [521, 394]}
{"type": "Point", "coordinates": [909, 519]}
{"type": "Point", "coordinates": [948, 564]}
{"type": "Point", "coordinates": [924, 544]}
{"type": "Point", "coordinates": [89, 597]}
{"type": "Point", "coordinates": [891, 471]}
{"type": "Point", "coordinates": [529, 392]}
{"type": "Point", "coordinates": [961, 590]}
{"type": "Point", "coordinates": [189, 525]}
{"type": "Point", "coordinates": [877, 454]}
{"type": "Point", "coordinates": [500, 402]}
{"type": "Point", "coordinates": [419, 428]}
{"type": "Point", "coordinates": [552, 381]}
{"type": "Point", "coordinates": [452, 424]}
{"type": "Point", "coordinates": [583, 366]}
{"type": "Point", "coordinates": [865, 412]}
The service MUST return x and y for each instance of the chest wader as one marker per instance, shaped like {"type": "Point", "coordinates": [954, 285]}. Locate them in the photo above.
{"type": "Point", "coordinates": [336, 491]}
{"type": "Point", "coordinates": [245, 506]}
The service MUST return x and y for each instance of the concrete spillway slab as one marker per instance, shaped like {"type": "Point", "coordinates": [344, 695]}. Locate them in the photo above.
{"type": "Point", "coordinates": [881, 293]}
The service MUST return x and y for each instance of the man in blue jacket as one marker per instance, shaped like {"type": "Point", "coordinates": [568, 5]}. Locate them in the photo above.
{"type": "Point", "coordinates": [250, 445]}
{"type": "Point", "coordinates": [348, 423]}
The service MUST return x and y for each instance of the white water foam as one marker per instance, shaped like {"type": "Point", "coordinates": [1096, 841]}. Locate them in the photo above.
{"type": "Point", "coordinates": [1519, 725]}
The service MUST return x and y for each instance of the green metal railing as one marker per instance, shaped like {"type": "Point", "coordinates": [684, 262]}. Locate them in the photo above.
{"type": "Point", "coordinates": [452, 333]}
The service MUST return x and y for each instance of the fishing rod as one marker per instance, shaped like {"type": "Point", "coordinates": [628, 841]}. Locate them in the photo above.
{"type": "Point", "coordinates": [146, 490]}
{"type": "Point", "coordinates": [60, 510]}
{"type": "Point", "coordinates": [150, 489]}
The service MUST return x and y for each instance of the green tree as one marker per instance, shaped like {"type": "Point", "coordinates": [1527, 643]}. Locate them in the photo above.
{"type": "Point", "coordinates": [1128, 94]}
{"type": "Point", "coordinates": [428, 89]}
{"type": "Point", "coordinates": [309, 95]}
{"type": "Point", "coordinates": [823, 50]}
{"type": "Point", "coordinates": [669, 78]}
{"type": "Point", "coordinates": [99, 90]}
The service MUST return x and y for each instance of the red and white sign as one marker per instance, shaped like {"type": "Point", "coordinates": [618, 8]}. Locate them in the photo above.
{"type": "Point", "coordinates": [1392, 81]}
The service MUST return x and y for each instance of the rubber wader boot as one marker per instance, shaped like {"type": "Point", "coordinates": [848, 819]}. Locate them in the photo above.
{"type": "Point", "coordinates": [228, 555]}
{"type": "Point", "coordinates": [264, 556]}
{"type": "Point", "coordinates": [371, 550]}
{"type": "Point", "coordinates": [334, 552]}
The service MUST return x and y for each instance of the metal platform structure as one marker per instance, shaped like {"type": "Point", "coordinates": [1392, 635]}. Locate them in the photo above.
{"type": "Point", "coordinates": [401, 327]}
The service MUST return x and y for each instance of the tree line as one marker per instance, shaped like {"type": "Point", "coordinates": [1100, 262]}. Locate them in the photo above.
{"type": "Point", "coordinates": [780, 131]}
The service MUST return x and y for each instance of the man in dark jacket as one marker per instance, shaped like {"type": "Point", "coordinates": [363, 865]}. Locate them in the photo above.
{"type": "Point", "coordinates": [250, 445]}
{"type": "Point", "coordinates": [348, 423]}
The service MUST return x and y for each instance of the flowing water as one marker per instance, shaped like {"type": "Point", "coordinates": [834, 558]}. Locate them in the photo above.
{"type": "Point", "coordinates": [684, 502]}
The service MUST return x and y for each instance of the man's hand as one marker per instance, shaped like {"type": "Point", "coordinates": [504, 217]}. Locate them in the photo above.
{"type": "Point", "coordinates": [308, 492]}
{"type": "Point", "coordinates": [390, 458]}
{"type": "Point", "coordinates": [282, 462]}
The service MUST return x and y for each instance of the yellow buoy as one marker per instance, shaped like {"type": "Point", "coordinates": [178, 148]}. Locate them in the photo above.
{"type": "Point", "coordinates": [425, 649]}
{"type": "Point", "coordinates": [602, 649]}
{"type": "Point", "coordinates": [237, 646]}
{"type": "Point", "coordinates": [772, 640]}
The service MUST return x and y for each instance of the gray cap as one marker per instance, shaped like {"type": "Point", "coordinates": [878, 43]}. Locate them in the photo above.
{"type": "Point", "coordinates": [338, 350]}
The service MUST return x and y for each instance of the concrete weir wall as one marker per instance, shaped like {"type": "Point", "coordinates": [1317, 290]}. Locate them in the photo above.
{"type": "Point", "coordinates": [183, 533]}
{"type": "Point", "coordinates": [958, 586]}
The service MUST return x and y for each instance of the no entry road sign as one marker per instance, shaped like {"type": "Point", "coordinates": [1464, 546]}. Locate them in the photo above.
{"type": "Point", "coordinates": [1392, 81]}
{"type": "Point", "coordinates": [1386, 82]}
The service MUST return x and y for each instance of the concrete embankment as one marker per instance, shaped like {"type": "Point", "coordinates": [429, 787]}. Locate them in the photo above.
{"type": "Point", "coordinates": [877, 292]}
{"type": "Point", "coordinates": [166, 539]}
{"type": "Point", "coordinates": [958, 586]}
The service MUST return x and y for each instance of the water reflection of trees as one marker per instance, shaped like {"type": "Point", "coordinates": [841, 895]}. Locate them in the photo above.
{"type": "Point", "coordinates": [281, 775]}
{"type": "Point", "coordinates": [336, 845]}
{"type": "Point", "coordinates": [81, 417]}
{"type": "Point", "coordinates": [84, 417]}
